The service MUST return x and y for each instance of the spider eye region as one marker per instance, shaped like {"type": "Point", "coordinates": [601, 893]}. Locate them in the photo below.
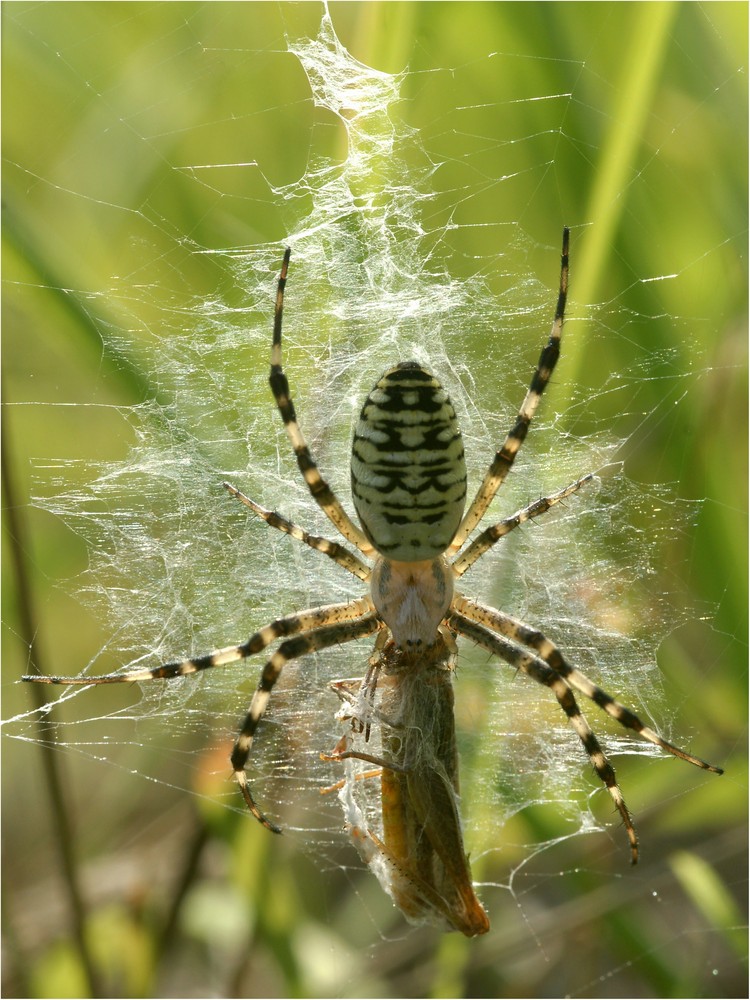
{"type": "Point", "coordinates": [412, 599]}
{"type": "Point", "coordinates": [408, 466]}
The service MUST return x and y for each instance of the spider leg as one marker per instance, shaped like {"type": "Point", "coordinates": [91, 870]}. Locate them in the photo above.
{"type": "Point", "coordinates": [505, 457]}
{"type": "Point", "coordinates": [292, 649]}
{"type": "Point", "coordinates": [303, 621]}
{"type": "Point", "coordinates": [346, 559]}
{"type": "Point", "coordinates": [541, 672]}
{"type": "Point", "coordinates": [319, 488]}
{"type": "Point", "coordinates": [492, 534]}
{"type": "Point", "coordinates": [548, 651]}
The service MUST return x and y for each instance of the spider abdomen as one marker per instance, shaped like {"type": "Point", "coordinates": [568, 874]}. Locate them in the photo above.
{"type": "Point", "coordinates": [408, 467]}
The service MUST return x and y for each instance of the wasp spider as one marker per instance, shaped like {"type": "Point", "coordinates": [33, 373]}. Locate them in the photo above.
{"type": "Point", "coordinates": [409, 490]}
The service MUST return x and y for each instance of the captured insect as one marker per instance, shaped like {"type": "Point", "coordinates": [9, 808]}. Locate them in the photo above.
{"type": "Point", "coordinates": [417, 854]}
{"type": "Point", "coordinates": [408, 477]}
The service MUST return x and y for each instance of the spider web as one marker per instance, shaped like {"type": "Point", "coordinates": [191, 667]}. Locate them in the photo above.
{"type": "Point", "coordinates": [402, 211]}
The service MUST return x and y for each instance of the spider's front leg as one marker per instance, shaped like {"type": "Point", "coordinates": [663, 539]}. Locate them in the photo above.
{"type": "Point", "coordinates": [541, 672]}
{"type": "Point", "coordinates": [292, 649]}
{"type": "Point", "coordinates": [519, 632]}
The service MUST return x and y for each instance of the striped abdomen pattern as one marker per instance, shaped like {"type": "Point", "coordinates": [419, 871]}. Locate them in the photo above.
{"type": "Point", "coordinates": [408, 467]}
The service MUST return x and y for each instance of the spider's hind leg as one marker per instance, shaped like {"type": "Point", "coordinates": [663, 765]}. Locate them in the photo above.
{"type": "Point", "coordinates": [321, 492]}
{"type": "Point", "coordinates": [506, 454]}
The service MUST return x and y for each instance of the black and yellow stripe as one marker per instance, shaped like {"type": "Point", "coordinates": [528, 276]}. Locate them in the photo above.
{"type": "Point", "coordinates": [346, 559]}
{"type": "Point", "coordinates": [343, 630]}
{"type": "Point", "coordinates": [541, 672]}
{"type": "Point", "coordinates": [483, 542]}
{"type": "Point", "coordinates": [521, 633]}
{"type": "Point", "coordinates": [319, 488]}
{"type": "Point", "coordinates": [308, 621]}
{"type": "Point", "coordinates": [408, 467]}
{"type": "Point", "coordinates": [506, 454]}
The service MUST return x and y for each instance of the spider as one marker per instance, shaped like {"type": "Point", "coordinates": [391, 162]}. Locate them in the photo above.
{"type": "Point", "coordinates": [408, 479]}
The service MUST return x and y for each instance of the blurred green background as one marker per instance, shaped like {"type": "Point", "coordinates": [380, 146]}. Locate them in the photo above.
{"type": "Point", "coordinates": [627, 122]}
